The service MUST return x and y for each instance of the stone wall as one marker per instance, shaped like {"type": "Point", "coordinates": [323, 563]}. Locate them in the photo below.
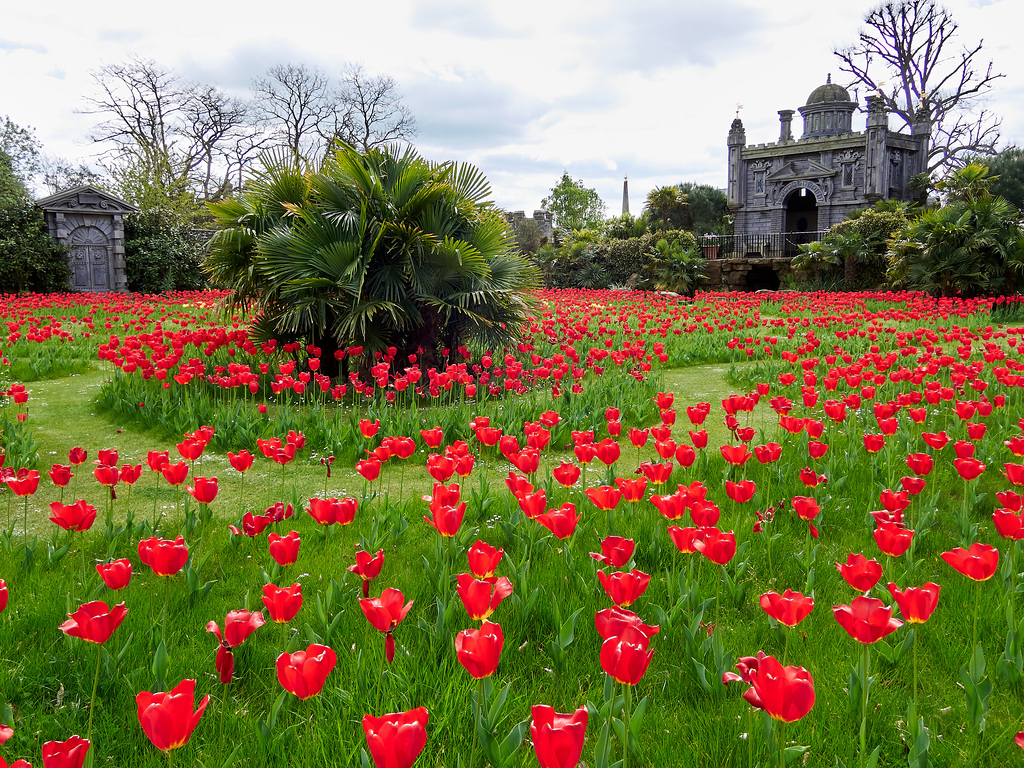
{"type": "Point", "coordinates": [747, 274]}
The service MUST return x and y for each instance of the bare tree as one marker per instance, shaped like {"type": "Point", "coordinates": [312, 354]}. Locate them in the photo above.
{"type": "Point", "coordinates": [297, 105]}
{"type": "Point", "coordinates": [372, 110]}
{"type": "Point", "coordinates": [908, 54]}
{"type": "Point", "coordinates": [214, 124]}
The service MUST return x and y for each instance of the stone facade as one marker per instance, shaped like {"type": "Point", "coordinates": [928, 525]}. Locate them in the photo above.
{"type": "Point", "coordinates": [809, 184]}
{"type": "Point", "coordinates": [91, 222]}
{"type": "Point", "coordinates": [544, 219]}
{"type": "Point", "coordinates": [747, 274]}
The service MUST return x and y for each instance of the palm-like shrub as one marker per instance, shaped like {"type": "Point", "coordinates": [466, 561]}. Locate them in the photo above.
{"type": "Point", "coordinates": [382, 249]}
{"type": "Point", "coordinates": [674, 268]}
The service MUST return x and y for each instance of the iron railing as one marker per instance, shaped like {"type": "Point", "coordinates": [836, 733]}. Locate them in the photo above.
{"type": "Point", "coordinates": [778, 245]}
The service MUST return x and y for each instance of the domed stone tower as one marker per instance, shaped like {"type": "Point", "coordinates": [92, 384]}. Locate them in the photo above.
{"type": "Point", "coordinates": [828, 111]}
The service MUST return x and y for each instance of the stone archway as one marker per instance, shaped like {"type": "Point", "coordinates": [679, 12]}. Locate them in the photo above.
{"type": "Point", "coordinates": [762, 277]}
{"type": "Point", "coordinates": [801, 211]}
{"type": "Point", "coordinates": [90, 259]}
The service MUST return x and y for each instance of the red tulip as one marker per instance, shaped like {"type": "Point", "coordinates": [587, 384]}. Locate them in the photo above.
{"type": "Point", "coordinates": [175, 474]}
{"type": "Point", "coordinates": [481, 597]}
{"type": "Point", "coordinates": [241, 461]}
{"type": "Point", "coordinates": [604, 497]}
{"type": "Point", "coordinates": [717, 546]}
{"type": "Point", "coordinates": [533, 503]}
{"type": "Point", "coordinates": [238, 625]}
{"type": "Point", "coordinates": [633, 489]}
{"type": "Point", "coordinates": [446, 520]}
{"type": "Point", "coordinates": [25, 483]}
{"type": "Point", "coordinates": [94, 622]}
{"type": "Point", "coordinates": [441, 468]}
{"type": "Point", "coordinates": [157, 460]}
{"type": "Point", "coordinates": [478, 650]}
{"type": "Point", "coordinates": [1014, 473]}
{"type": "Point", "coordinates": [282, 603]}
{"type": "Point", "coordinates": [978, 563]}
{"type": "Point", "coordinates": [385, 613]}
{"type": "Point", "coordinates": [4, 596]}
{"type": "Point", "coordinates": [789, 608]}
{"type": "Point", "coordinates": [916, 603]}
{"type": "Point", "coordinates": [60, 475]}
{"type": "Point", "coordinates": [806, 507]}
{"type": "Point", "coordinates": [1009, 524]}
{"type": "Point", "coordinates": [920, 463]}
{"type": "Point", "coordinates": [615, 551]}
{"type": "Point", "coordinates": [625, 657]}
{"type": "Point", "coordinates": [557, 738]}
{"type": "Point", "coordinates": [115, 575]}
{"type": "Point", "coordinates": [768, 453]}
{"type": "Point", "coordinates": [205, 489]}
{"type": "Point", "coordinates": [685, 455]}
{"type": "Point", "coordinates": [561, 522]}
{"type": "Point", "coordinates": [330, 511]}
{"type": "Point", "coordinates": [191, 449]}
{"type": "Point", "coordinates": [107, 456]}
{"type": "Point", "coordinates": [368, 428]}
{"type": "Point", "coordinates": [737, 455]}
{"type": "Point", "coordinates": [130, 473]}
{"type": "Point", "coordinates": [483, 559]}
{"type": "Point", "coordinates": [936, 440]}
{"type": "Point", "coordinates": [284, 549]}
{"type": "Point", "coordinates": [860, 573]}
{"type": "Point", "coordinates": [432, 438]}
{"type": "Point", "coordinates": [740, 492]}
{"type": "Point", "coordinates": [252, 525]}
{"type": "Point", "coordinates": [624, 587]}
{"type": "Point", "coordinates": [613, 621]}
{"type": "Point", "coordinates": [672, 507]}
{"type": "Point", "coordinates": [969, 468]}
{"type": "Point", "coordinates": [608, 451]}
{"type": "Point", "coordinates": [684, 538]}
{"type": "Point", "coordinates": [638, 437]}
{"type": "Point", "coordinates": [396, 740]}
{"type": "Point", "coordinates": [73, 517]}
{"type": "Point", "coordinates": [63, 754]}
{"type": "Point", "coordinates": [893, 539]}
{"type": "Point", "coordinates": [785, 693]}
{"type": "Point", "coordinates": [367, 567]}
{"type": "Point", "coordinates": [166, 558]}
{"type": "Point", "coordinates": [304, 673]}
{"type": "Point", "coordinates": [866, 619]}
{"type": "Point", "coordinates": [566, 474]}
{"type": "Point", "coordinates": [77, 456]}
{"type": "Point", "coordinates": [370, 469]}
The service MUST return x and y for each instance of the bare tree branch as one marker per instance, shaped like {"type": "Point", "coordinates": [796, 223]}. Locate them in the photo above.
{"type": "Point", "coordinates": [908, 55]}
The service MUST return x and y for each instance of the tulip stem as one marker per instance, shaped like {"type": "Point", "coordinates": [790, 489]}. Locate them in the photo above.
{"type": "Point", "coordinates": [220, 727]}
{"type": "Point", "coordinates": [915, 670]}
{"type": "Point", "coordinates": [628, 691]}
{"type": "Point", "coordinates": [977, 604]}
{"type": "Point", "coordinates": [95, 683]}
{"type": "Point", "coordinates": [782, 744]}
{"type": "Point", "coordinates": [865, 666]}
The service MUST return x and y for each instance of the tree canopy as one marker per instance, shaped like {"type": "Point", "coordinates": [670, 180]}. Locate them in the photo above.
{"type": "Point", "coordinates": [574, 206]}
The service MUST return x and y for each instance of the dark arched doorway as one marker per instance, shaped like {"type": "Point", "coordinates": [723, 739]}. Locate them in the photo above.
{"type": "Point", "coordinates": [801, 212]}
{"type": "Point", "coordinates": [762, 277]}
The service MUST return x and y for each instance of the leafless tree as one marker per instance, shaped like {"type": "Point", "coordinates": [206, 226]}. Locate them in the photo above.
{"type": "Point", "coordinates": [372, 110]}
{"type": "Point", "coordinates": [909, 55]}
{"type": "Point", "coordinates": [297, 105]}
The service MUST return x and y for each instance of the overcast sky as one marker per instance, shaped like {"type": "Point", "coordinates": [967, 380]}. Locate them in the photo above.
{"type": "Point", "coordinates": [522, 89]}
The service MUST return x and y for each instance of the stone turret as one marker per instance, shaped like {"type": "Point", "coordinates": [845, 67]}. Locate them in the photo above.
{"type": "Point", "coordinates": [876, 165]}
{"type": "Point", "coordinates": [737, 140]}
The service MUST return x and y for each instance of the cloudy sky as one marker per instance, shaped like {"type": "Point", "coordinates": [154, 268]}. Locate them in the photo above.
{"type": "Point", "coordinates": [524, 90]}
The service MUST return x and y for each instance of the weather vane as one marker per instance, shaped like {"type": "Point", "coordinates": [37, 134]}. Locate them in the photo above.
{"type": "Point", "coordinates": [738, 108]}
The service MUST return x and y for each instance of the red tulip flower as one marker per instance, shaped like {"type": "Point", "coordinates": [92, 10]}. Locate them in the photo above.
{"type": "Point", "coordinates": [866, 619]}
{"type": "Point", "coordinates": [282, 603]}
{"type": "Point", "coordinates": [978, 563]}
{"type": "Point", "coordinates": [304, 673]}
{"type": "Point", "coordinates": [740, 492]}
{"type": "Point", "coordinates": [367, 567]}
{"type": "Point", "coordinates": [25, 483]}
{"type": "Point", "coordinates": [94, 622]}
{"type": "Point", "coordinates": [566, 474]}
{"type": "Point", "coordinates": [165, 557]}
{"type": "Point", "coordinates": [175, 474]}
{"type": "Point", "coordinates": [77, 456]}
{"type": "Point", "coordinates": [60, 475]}
{"type": "Point", "coordinates": [191, 449]}
{"type": "Point", "coordinates": [63, 754]}
{"type": "Point", "coordinates": [369, 469]}
{"type": "Point", "coordinates": [238, 625]}
{"type": "Point", "coordinates": [705, 513]}
{"type": "Point", "coordinates": [478, 650]}
{"type": "Point", "coordinates": [789, 608]}
{"type": "Point", "coordinates": [117, 574]}
{"type": "Point", "coordinates": [252, 525]}
{"type": "Point", "coordinates": [638, 437]}
{"type": "Point", "coordinates": [481, 597]}
{"type": "Point", "coordinates": [4, 596]}
{"type": "Point", "coordinates": [969, 468]}
{"type": "Point", "coordinates": [561, 522]}
{"type": "Point", "coordinates": [684, 538]}
{"type": "Point", "coordinates": [557, 738]}
{"type": "Point", "coordinates": [169, 718]}
{"type": "Point", "coordinates": [768, 453]}
{"type": "Point", "coordinates": [241, 461]}
{"type": "Point", "coordinates": [920, 463]}
{"type": "Point", "coordinates": [441, 468]}
{"type": "Point", "coordinates": [671, 507]}
{"type": "Point", "coordinates": [432, 438]}
{"type": "Point", "coordinates": [157, 460]}
{"type": "Point", "coordinates": [604, 497]}
{"type": "Point", "coordinates": [737, 455]}
{"type": "Point", "coordinates": [806, 507]}
{"type": "Point", "coordinates": [331, 511]}
{"type": "Point", "coordinates": [893, 539]}
{"type": "Point", "coordinates": [284, 549]}
{"type": "Point", "coordinates": [1009, 524]}
{"type": "Point", "coordinates": [860, 573]}
{"type": "Point", "coordinates": [205, 489]}
{"type": "Point", "coordinates": [625, 657]}
{"type": "Point", "coordinates": [785, 693]}
{"type": "Point", "coordinates": [717, 546]}
{"type": "Point", "coordinates": [608, 452]}
{"type": "Point", "coordinates": [685, 455]}
{"type": "Point", "coordinates": [916, 603]}
{"type": "Point", "coordinates": [385, 613]}
{"type": "Point", "coordinates": [633, 489]}
{"type": "Point", "coordinates": [73, 517]}
{"type": "Point", "coordinates": [874, 443]}
{"type": "Point", "coordinates": [107, 456]}
{"type": "Point", "coordinates": [613, 621]}
{"type": "Point", "coordinates": [615, 551]}
{"type": "Point", "coordinates": [446, 520]}
{"type": "Point", "coordinates": [483, 559]}
{"type": "Point", "coordinates": [624, 587]}
{"type": "Point", "coordinates": [937, 440]}
{"type": "Point", "coordinates": [396, 740]}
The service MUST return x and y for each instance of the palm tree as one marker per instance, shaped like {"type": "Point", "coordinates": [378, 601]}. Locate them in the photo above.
{"type": "Point", "coordinates": [382, 249]}
{"type": "Point", "coordinates": [664, 200]}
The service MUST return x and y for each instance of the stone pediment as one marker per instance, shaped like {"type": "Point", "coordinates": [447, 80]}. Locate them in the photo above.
{"type": "Point", "coordinates": [797, 170]}
{"type": "Point", "coordinates": [85, 199]}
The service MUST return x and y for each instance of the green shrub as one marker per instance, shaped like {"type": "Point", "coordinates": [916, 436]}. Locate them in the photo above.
{"type": "Point", "coordinates": [163, 253]}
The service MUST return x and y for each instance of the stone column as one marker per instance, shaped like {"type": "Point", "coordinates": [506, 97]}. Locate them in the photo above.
{"type": "Point", "coordinates": [737, 140]}
{"type": "Point", "coordinates": [876, 164]}
{"type": "Point", "coordinates": [785, 125]}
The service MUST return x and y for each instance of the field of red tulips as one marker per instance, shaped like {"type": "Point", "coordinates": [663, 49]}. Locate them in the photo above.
{"type": "Point", "coordinates": [737, 530]}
